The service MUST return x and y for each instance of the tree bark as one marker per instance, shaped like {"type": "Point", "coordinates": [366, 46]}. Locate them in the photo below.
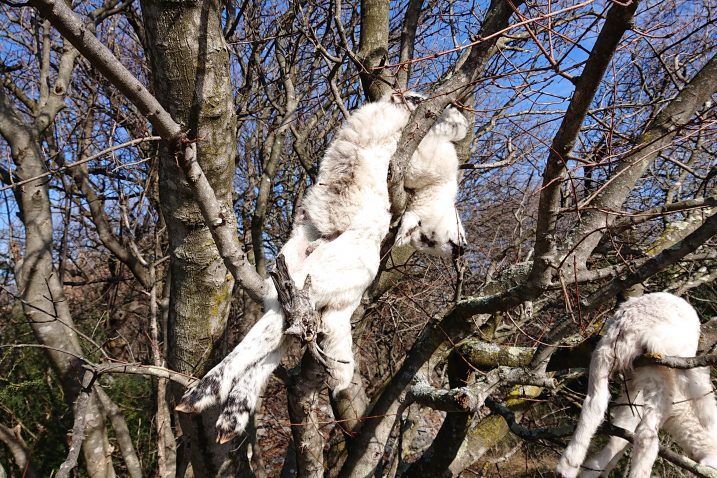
{"type": "Point", "coordinates": [443, 450]}
{"type": "Point", "coordinates": [303, 398]}
{"type": "Point", "coordinates": [18, 448]}
{"type": "Point", "coordinates": [190, 65]}
{"type": "Point", "coordinates": [408, 40]}
{"type": "Point", "coordinates": [373, 48]}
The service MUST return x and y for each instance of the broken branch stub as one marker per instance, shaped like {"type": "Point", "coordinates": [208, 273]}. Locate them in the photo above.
{"type": "Point", "coordinates": [300, 317]}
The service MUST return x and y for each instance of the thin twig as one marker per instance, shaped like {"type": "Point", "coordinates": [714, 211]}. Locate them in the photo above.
{"type": "Point", "coordinates": [82, 161]}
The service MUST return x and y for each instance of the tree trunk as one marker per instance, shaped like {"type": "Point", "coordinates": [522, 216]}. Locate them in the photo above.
{"type": "Point", "coordinates": [190, 66]}
{"type": "Point", "coordinates": [373, 47]}
{"type": "Point", "coordinates": [42, 296]}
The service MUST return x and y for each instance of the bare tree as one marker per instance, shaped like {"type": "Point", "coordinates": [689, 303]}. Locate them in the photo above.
{"type": "Point", "coordinates": [154, 157]}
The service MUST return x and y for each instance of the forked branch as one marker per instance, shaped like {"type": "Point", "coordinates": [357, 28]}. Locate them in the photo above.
{"type": "Point", "coordinates": [300, 317]}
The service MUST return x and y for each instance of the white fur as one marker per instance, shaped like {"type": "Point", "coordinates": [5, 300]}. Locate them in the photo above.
{"type": "Point", "coordinates": [431, 222]}
{"type": "Point", "coordinates": [336, 240]}
{"type": "Point", "coordinates": [680, 400]}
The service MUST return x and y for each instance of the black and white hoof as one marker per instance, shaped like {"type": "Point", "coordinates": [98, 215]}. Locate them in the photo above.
{"type": "Point", "coordinates": [202, 396]}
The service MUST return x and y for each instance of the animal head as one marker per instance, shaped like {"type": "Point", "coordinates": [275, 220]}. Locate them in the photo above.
{"type": "Point", "coordinates": [409, 99]}
{"type": "Point", "coordinates": [431, 223]}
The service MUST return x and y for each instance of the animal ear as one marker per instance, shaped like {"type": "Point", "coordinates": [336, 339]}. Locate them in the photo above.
{"type": "Point", "coordinates": [409, 223]}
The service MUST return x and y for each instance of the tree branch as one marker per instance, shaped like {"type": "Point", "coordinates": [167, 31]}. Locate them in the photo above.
{"type": "Point", "coordinates": [455, 87]}
{"type": "Point", "coordinates": [78, 429]}
{"type": "Point", "coordinates": [139, 369]}
{"type": "Point", "coordinates": [408, 40]}
{"type": "Point", "coordinates": [676, 362]}
{"type": "Point", "coordinates": [122, 433]}
{"type": "Point", "coordinates": [649, 268]}
{"type": "Point", "coordinates": [618, 21]}
{"type": "Point", "coordinates": [471, 397]}
{"type": "Point", "coordinates": [303, 396]}
{"type": "Point", "coordinates": [300, 317]}
{"type": "Point", "coordinates": [12, 439]}
{"type": "Point", "coordinates": [373, 47]}
{"type": "Point", "coordinates": [655, 264]}
{"type": "Point", "coordinates": [224, 235]}
{"type": "Point", "coordinates": [658, 135]}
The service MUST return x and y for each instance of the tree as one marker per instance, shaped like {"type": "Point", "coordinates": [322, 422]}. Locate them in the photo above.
{"type": "Point", "coordinates": [156, 164]}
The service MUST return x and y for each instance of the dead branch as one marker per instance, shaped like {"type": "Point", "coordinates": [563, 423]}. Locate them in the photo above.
{"type": "Point", "coordinates": [676, 362]}
{"type": "Point", "coordinates": [470, 398]}
{"type": "Point", "coordinates": [300, 318]}
{"type": "Point", "coordinates": [140, 369]}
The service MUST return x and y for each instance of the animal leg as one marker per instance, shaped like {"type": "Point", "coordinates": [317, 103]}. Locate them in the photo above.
{"type": "Point", "coordinates": [243, 397]}
{"type": "Point", "coordinates": [266, 336]}
{"type": "Point", "coordinates": [658, 393]}
{"type": "Point", "coordinates": [699, 391]}
{"type": "Point", "coordinates": [685, 428]}
{"type": "Point", "coordinates": [336, 346]}
{"type": "Point", "coordinates": [624, 415]}
{"type": "Point", "coordinates": [593, 411]}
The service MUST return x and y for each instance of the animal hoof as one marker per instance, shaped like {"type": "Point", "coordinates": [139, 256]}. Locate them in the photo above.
{"type": "Point", "coordinates": [224, 438]}
{"type": "Point", "coordinates": [184, 408]}
{"type": "Point", "coordinates": [231, 424]}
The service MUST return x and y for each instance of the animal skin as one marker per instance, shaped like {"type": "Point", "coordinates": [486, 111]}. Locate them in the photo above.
{"type": "Point", "coordinates": [336, 240]}
{"type": "Point", "coordinates": [681, 402]}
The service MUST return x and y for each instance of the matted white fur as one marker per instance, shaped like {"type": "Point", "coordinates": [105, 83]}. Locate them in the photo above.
{"type": "Point", "coordinates": [336, 240]}
{"type": "Point", "coordinates": [680, 401]}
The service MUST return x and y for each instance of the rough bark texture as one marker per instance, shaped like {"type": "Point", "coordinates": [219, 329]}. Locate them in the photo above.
{"type": "Point", "coordinates": [444, 449]}
{"type": "Point", "coordinates": [303, 398]}
{"type": "Point", "coordinates": [213, 211]}
{"type": "Point", "coordinates": [373, 47]}
{"type": "Point", "coordinates": [190, 67]}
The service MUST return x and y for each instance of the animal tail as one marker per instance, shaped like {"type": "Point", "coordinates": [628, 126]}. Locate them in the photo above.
{"type": "Point", "coordinates": [614, 352]}
{"type": "Point", "coordinates": [699, 389]}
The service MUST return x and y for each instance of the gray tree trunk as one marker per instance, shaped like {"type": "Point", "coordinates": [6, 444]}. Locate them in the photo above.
{"type": "Point", "coordinates": [373, 48]}
{"type": "Point", "coordinates": [41, 292]}
{"type": "Point", "coordinates": [190, 66]}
